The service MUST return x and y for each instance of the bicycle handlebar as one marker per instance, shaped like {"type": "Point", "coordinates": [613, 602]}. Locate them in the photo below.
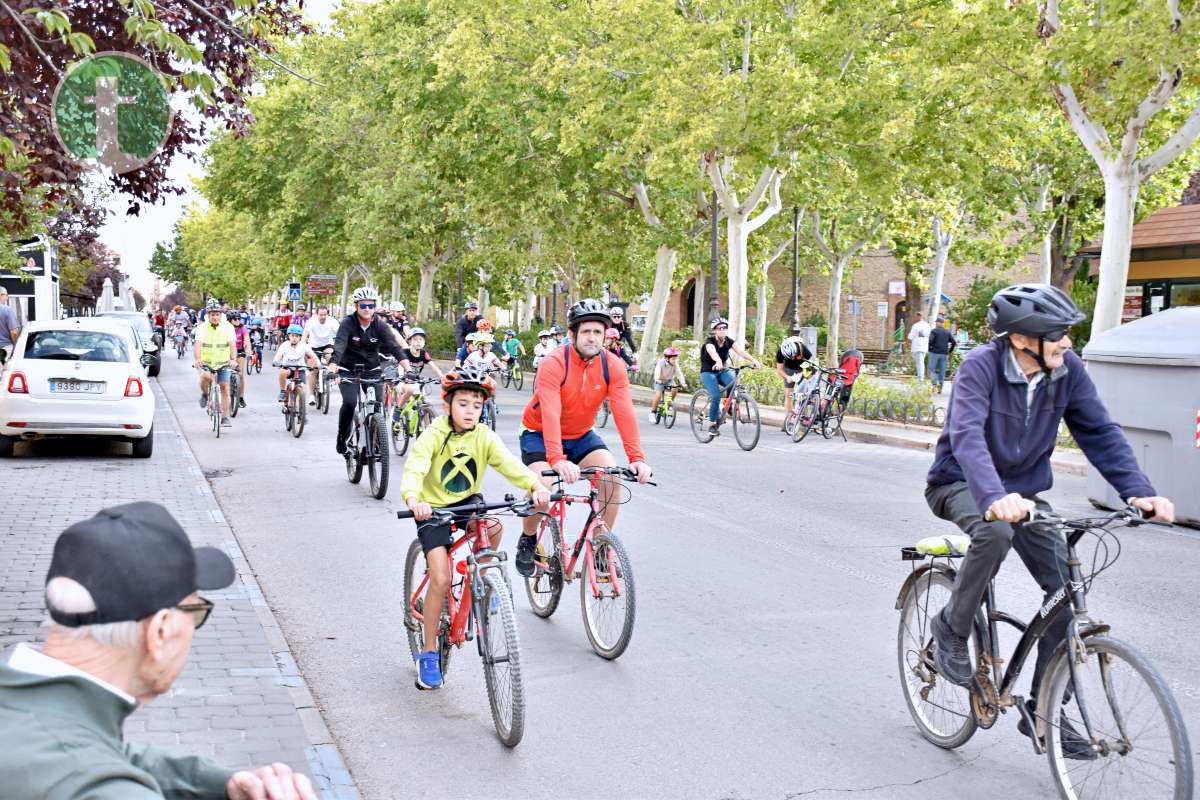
{"type": "Point", "coordinates": [1131, 514]}
{"type": "Point", "coordinates": [520, 507]}
{"type": "Point", "coordinates": [625, 472]}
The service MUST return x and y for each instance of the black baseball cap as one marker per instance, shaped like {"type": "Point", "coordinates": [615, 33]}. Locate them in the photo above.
{"type": "Point", "coordinates": [135, 560]}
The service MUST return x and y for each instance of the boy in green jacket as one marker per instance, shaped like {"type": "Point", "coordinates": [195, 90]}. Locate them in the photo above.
{"type": "Point", "coordinates": [445, 468]}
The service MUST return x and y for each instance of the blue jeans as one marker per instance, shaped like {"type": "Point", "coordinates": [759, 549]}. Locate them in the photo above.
{"type": "Point", "coordinates": [711, 381]}
{"type": "Point", "coordinates": [937, 367]}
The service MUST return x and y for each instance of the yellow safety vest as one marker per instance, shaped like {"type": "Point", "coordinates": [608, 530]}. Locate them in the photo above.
{"type": "Point", "coordinates": [214, 343]}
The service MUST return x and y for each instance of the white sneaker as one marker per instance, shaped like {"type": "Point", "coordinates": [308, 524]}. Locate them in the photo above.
{"type": "Point", "coordinates": [653, 418]}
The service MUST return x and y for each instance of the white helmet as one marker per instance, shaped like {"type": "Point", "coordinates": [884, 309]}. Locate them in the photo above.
{"type": "Point", "coordinates": [788, 347]}
{"type": "Point", "coordinates": [396, 306]}
{"type": "Point", "coordinates": [365, 293]}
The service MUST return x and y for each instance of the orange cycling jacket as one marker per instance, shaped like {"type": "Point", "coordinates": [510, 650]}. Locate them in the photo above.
{"type": "Point", "coordinates": [568, 393]}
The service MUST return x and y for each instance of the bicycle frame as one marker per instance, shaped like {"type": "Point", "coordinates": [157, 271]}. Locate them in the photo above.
{"type": "Point", "coordinates": [558, 510]}
{"type": "Point", "coordinates": [459, 610]}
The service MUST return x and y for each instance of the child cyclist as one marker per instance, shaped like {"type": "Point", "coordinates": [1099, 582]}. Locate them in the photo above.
{"type": "Point", "coordinates": [511, 347]}
{"type": "Point", "coordinates": [446, 468]}
{"type": "Point", "coordinates": [668, 376]}
{"type": "Point", "coordinates": [417, 357]}
{"type": "Point", "coordinates": [467, 348]}
{"type": "Point", "coordinates": [542, 348]}
{"type": "Point", "coordinates": [293, 353]}
{"type": "Point", "coordinates": [482, 356]}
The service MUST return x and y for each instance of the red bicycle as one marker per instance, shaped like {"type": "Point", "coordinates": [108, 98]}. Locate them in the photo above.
{"type": "Point", "coordinates": [484, 614]}
{"type": "Point", "coordinates": [597, 559]}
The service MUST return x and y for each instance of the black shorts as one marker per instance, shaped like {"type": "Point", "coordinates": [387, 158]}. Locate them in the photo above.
{"type": "Point", "coordinates": [434, 533]}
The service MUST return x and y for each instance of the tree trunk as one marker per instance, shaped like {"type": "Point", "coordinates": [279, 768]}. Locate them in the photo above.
{"type": "Point", "coordinates": [1120, 197]}
{"type": "Point", "coordinates": [943, 239]}
{"type": "Point", "coordinates": [345, 292]}
{"type": "Point", "coordinates": [835, 307]}
{"type": "Point", "coordinates": [485, 297]}
{"type": "Point", "coordinates": [739, 270]}
{"type": "Point", "coordinates": [425, 300]}
{"type": "Point", "coordinates": [912, 298]}
{"type": "Point", "coordinates": [699, 304]}
{"type": "Point", "coordinates": [664, 274]}
{"type": "Point", "coordinates": [760, 327]}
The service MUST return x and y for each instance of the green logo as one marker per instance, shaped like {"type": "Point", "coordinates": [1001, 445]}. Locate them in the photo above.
{"type": "Point", "coordinates": [114, 109]}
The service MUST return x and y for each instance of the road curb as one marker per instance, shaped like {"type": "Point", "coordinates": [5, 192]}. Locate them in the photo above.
{"type": "Point", "coordinates": [333, 780]}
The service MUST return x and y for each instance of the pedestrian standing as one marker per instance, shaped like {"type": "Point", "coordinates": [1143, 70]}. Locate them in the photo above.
{"type": "Point", "coordinates": [122, 592]}
{"type": "Point", "coordinates": [918, 337]}
{"type": "Point", "coordinates": [466, 324]}
{"type": "Point", "coordinates": [9, 327]}
{"type": "Point", "coordinates": [941, 345]}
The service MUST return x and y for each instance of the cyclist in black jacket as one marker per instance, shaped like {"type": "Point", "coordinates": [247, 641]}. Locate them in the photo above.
{"type": "Point", "coordinates": [361, 338]}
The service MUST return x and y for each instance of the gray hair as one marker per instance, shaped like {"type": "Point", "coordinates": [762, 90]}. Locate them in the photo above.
{"type": "Point", "coordinates": [71, 597]}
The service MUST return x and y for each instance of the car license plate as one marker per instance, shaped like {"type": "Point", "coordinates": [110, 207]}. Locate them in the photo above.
{"type": "Point", "coordinates": [76, 387]}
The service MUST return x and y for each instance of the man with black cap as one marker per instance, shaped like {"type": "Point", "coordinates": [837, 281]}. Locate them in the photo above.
{"type": "Point", "coordinates": [122, 596]}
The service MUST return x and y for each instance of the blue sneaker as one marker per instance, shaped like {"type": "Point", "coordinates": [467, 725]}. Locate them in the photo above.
{"type": "Point", "coordinates": [429, 672]}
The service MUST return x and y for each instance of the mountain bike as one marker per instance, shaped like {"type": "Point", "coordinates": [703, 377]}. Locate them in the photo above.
{"type": "Point", "coordinates": [324, 383]}
{"type": "Point", "coordinates": [478, 606]}
{"type": "Point", "coordinates": [490, 409]}
{"type": "Point", "coordinates": [736, 404]}
{"type": "Point", "coordinates": [513, 374]}
{"type": "Point", "coordinates": [822, 408]}
{"type": "Point", "coordinates": [665, 411]}
{"type": "Point", "coordinates": [1100, 687]}
{"type": "Point", "coordinates": [597, 559]}
{"type": "Point", "coordinates": [294, 405]}
{"type": "Point", "coordinates": [181, 345]}
{"type": "Point", "coordinates": [366, 446]}
{"type": "Point", "coordinates": [413, 417]}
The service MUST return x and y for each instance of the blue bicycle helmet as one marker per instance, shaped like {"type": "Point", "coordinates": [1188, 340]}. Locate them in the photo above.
{"type": "Point", "coordinates": [296, 329]}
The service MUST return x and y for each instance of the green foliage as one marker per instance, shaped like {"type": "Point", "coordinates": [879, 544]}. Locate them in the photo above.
{"type": "Point", "coordinates": [1083, 292]}
{"type": "Point", "coordinates": [971, 311]}
{"type": "Point", "coordinates": [912, 391]}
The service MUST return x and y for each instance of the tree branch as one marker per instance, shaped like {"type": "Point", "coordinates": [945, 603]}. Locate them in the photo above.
{"type": "Point", "coordinates": [774, 206]}
{"type": "Point", "coordinates": [820, 239]}
{"type": "Point", "coordinates": [1180, 141]}
{"type": "Point", "coordinates": [717, 175]}
{"type": "Point", "coordinates": [643, 201]}
{"type": "Point", "coordinates": [760, 189]}
{"type": "Point", "coordinates": [32, 39]}
{"type": "Point", "coordinates": [1048, 22]}
{"type": "Point", "coordinates": [1094, 137]}
{"type": "Point", "coordinates": [624, 198]}
{"type": "Point", "coordinates": [1154, 102]}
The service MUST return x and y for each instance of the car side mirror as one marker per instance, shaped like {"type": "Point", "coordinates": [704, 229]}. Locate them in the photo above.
{"type": "Point", "coordinates": [146, 359]}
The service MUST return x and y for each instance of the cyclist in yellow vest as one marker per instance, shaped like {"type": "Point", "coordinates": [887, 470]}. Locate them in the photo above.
{"type": "Point", "coordinates": [215, 356]}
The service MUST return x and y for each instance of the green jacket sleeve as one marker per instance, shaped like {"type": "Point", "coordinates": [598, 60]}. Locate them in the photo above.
{"type": "Point", "coordinates": [501, 459]}
{"type": "Point", "coordinates": [181, 777]}
{"type": "Point", "coordinates": [417, 465]}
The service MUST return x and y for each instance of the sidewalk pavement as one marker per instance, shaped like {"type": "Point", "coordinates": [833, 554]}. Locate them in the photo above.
{"type": "Point", "coordinates": [240, 699]}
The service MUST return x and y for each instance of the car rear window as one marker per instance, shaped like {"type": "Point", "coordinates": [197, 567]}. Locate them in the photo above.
{"type": "Point", "coordinates": [76, 346]}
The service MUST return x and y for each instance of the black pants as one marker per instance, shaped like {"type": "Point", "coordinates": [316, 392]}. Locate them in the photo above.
{"type": "Point", "coordinates": [346, 413]}
{"type": "Point", "coordinates": [1045, 557]}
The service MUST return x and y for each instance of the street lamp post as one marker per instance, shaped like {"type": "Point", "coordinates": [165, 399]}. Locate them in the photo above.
{"type": "Point", "coordinates": [795, 270]}
{"type": "Point", "coordinates": [553, 303]}
{"type": "Point", "coordinates": [713, 278]}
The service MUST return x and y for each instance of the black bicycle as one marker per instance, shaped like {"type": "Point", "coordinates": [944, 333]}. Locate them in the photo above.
{"type": "Point", "coordinates": [367, 444]}
{"type": "Point", "coordinates": [736, 404]}
{"type": "Point", "coordinates": [1095, 685]}
{"type": "Point", "coordinates": [822, 408]}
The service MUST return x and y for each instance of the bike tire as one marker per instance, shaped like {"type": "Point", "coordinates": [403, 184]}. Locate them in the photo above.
{"type": "Point", "coordinates": [289, 416]}
{"type": "Point", "coordinates": [354, 464]}
{"type": "Point", "coordinates": [490, 408]}
{"type": "Point", "coordinates": [328, 386]}
{"type": "Point", "coordinates": [505, 378]}
{"type": "Point", "coordinates": [235, 388]}
{"type": "Point", "coordinates": [413, 628]}
{"type": "Point", "coordinates": [519, 378]}
{"type": "Point", "coordinates": [1123, 775]}
{"type": "Point", "coordinates": [378, 457]}
{"type": "Point", "coordinates": [399, 434]}
{"type": "Point", "coordinates": [807, 416]}
{"type": "Point", "coordinates": [698, 417]}
{"type": "Point", "coordinates": [300, 412]}
{"type": "Point", "coordinates": [747, 424]}
{"type": "Point", "coordinates": [500, 647]}
{"type": "Point", "coordinates": [214, 404]}
{"type": "Point", "coordinates": [669, 419]}
{"type": "Point", "coordinates": [947, 722]}
{"type": "Point", "coordinates": [602, 415]}
{"type": "Point", "coordinates": [607, 549]}
{"type": "Point", "coordinates": [544, 589]}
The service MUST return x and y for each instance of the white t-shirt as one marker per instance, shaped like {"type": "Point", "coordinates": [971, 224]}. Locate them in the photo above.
{"type": "Point", "coordinates": [488, 360]}
{"type": "Point", "coordinates": [919, 336]}
{"type": "Point", "coordinates": [293, 355]}
{"type": "Point", "coordinates": [540, 350]}
{"type": "Point", "coordinates": [321, 335]}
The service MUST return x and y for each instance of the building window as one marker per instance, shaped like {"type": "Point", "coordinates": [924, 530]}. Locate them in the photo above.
{"type": "Point", "coordinates": [1185, 294]}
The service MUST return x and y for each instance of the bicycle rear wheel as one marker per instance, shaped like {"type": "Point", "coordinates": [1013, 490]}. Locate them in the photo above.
{"type": "Point", "coordinates": [354, 463]}
{"type": "Point", "coordinates": [378, 458]}
{"type": "Point", "coordinates": [235, 389]}
{"type": "Point", "coordinates": [698, 416]}
{"type": "Point", "coordinates": [808, 416]}
{"type": "Point", "coordinates": [941, 710]}
{"type": "Point", "coordinates": [609, 609]}
{"type": "Point", "coordinates": [414, 571]}
{"type": "Point", "coordinates": [299, 410]}
{"type": "Point", "coordinates": [747, 426]}
{"type": "Point", "coordinates": [544, 589]}
{"type": "Point", "coordinates": [326, 387]}
{"type": "Point", "coordinates": [1142, 744]}
{"type": "Point", "coordinates": [500, 647]}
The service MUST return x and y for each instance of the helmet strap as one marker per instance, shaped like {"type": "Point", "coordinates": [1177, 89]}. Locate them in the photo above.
{"type": "Point", "coordinates": [1040, 358]}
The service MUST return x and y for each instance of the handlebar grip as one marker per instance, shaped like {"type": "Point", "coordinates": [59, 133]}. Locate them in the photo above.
{"type": "Point", "coordinates": [404, 515]}
{"type": "Point", "coordinates": [549, 473]}
{"type": "Point", "coordinates": [556, 496]}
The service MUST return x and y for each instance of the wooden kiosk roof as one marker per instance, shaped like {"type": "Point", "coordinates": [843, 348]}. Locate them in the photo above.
{"type": "Point", "coordinates": [1167, 227]}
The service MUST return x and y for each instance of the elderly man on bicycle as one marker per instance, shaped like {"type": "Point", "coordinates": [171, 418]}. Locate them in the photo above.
{"type": "Point", "coordinates": [993, 458]}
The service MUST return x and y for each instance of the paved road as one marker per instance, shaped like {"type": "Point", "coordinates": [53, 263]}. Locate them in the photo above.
{"type": "Point", "coordinates": [763, 663]}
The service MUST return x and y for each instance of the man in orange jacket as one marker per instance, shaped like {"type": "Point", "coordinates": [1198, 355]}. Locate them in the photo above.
{"type": "Point", "coordinates": [556, 429]}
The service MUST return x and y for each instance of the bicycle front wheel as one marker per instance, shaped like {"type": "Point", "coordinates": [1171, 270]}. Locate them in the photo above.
{"type": "Point", "coordinates": [235, 390]}
{"type": "Point", "coordinates": [698, 415]}
{"type": "Point", "coordinates": [500, 648]}
{"type": "Point", "coordinates": [414, 571]}
{"type": "Point", "coordinates": [610, 605]}
{"type": "Point", "coordinates": [1138, 733]}
{"type": "Point", "coordinates": [518, 378]}
{"type": "Point", "coordinates": [808, 416]}
{"type": "Point", "coordinates": [544, 589]}
{"type": "Point", "coordinates": [300, 411]}
{"type": "Point", "coordinates": [378, 458]}
{"type": "Point", "coordinates": [602, 415]}
{"type": "Point", "coordinates": [941, 709]}
{"type": "Point", "coordinates": [669, 417]}
{"type": "Point", "coordinates": [399, 428]}
{"type": "Point", "coordinates": [354, 462]}
{"type": "Point", "coordinates": [747, 426]}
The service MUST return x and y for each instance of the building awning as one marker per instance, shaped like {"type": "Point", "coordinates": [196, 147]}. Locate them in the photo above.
{"type": "Point", "coordinates": [1167, 227]}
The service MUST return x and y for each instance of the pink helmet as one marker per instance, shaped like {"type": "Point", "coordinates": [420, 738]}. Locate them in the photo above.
{"type": "Point", "coordinates": [670, 352]}
{"type": "Point", "coordinates": [612, 333]}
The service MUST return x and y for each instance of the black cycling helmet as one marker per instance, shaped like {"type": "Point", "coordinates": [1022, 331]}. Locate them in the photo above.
{"type": "Point", "coordinates": [1033, 309]}
{"type": "Point", "coordinates": [588, 310]}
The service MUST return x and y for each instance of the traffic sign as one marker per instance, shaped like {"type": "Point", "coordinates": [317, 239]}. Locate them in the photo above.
{"type": "Point", "coordinates": [294, 295]}
{"type": "Point", "coordinates": [321, 284]}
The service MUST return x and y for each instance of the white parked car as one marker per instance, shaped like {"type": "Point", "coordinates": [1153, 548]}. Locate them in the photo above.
{"type": "Point", "coordinates": [84, 376]}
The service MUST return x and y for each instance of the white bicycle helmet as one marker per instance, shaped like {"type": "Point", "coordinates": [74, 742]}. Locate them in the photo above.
{"type": "Point", "coordinates": [789, 347]}
{"type": "Point", "coordinates": [396, 306]}
{"type": "Point", "coordinates": [365, 293]}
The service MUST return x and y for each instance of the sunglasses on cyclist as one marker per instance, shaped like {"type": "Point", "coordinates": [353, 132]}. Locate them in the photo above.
{"type": "Point", "coordinates": [365, 306]}
{"type": "Point", "coordinates": [1055, 336]}
{"type": "Point", "coordinates": [200, 611]}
